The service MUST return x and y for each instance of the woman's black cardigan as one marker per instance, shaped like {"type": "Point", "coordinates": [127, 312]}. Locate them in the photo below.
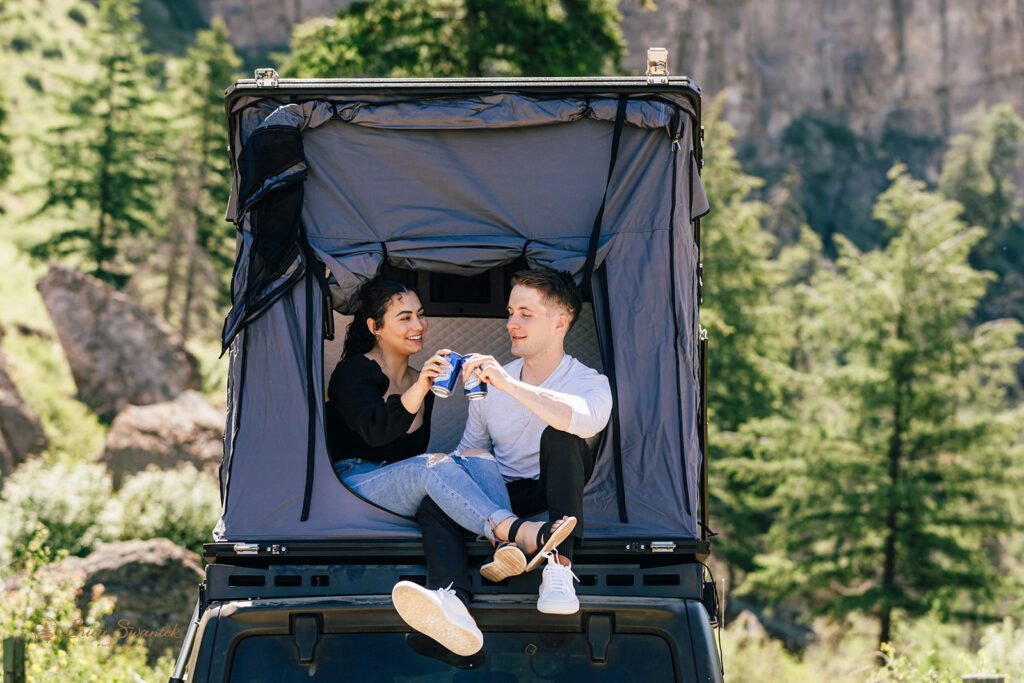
{"type": "Point", "coordinates": [361, 423]}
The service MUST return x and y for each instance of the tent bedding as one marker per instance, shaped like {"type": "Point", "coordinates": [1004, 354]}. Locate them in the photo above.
{"type": "Point", "coordinates": [460, 185]}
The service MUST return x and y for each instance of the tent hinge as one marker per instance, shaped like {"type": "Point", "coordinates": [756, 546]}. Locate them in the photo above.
{"type": "Point", "coordinates": [266, 77]}
{"type": "Point", "coordinates": [657, 66]}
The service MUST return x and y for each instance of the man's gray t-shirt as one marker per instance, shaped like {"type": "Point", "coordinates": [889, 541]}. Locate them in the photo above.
{"type": "Point", "coordinates": [507, 428]}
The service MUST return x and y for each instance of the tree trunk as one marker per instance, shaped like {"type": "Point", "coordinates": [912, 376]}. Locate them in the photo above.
{"type": "Point", "coordinates": [103, 209]}
{"type": "Point", "coordinates": [901, 388]}
{"type": "Point", "coordinates": [192, 254]}
{"type": "Point", "coordinates": [177, 242]}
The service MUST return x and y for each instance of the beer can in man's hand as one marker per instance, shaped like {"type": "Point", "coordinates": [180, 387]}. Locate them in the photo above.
{"type": "Point", "coordinates": [444, 384]}
{"type": "Point", "coordinates": [474, 387]}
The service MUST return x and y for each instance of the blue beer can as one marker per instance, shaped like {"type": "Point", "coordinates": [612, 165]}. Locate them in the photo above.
{"type": "Point", "coordinates": [474, 387]}
{"type": "Point", "coordinates": [444, 384]}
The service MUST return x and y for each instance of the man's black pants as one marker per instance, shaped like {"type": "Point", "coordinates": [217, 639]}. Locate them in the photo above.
{"type": "Point", "coordinates": [566, 463]}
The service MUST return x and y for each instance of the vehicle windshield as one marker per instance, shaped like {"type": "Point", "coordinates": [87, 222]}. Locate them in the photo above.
{"type": "Point", "coordinates": [509, 658]}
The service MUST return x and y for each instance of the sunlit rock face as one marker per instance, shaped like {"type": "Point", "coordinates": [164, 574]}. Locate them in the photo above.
{"type": "Point", "coordinates": [911, 64]}
{"type": "Point", "coordinates": [120, 354]}
{"type": "Point", "coordinates": [916, 65]}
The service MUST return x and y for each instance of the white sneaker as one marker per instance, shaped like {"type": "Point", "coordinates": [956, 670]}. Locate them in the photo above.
{"type": "Point", "coordinates": [557, 595]}
{"type": "Point", "coordinates": [438, 614]}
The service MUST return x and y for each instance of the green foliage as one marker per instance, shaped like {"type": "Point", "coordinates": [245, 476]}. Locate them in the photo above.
{"type": "Point", "coordinates": [58, 502]}
{"type": "Point", "coordinates": [6, 158]}
{"type": "Point", "coordinates": [841, 173]}
{"type": "Point", "coordinates": [930, 652]}
{"type": "Point", "coordinates": [62, 643]}
{"type": "Point", "coordinates": [196, 258]}
{"type": "Point", "coordinates": [444, 38]}
{"type": "Point", "coordinates": [182, 505]}
{"type": "Point", "coordinates": [71, 506]}
{"type": "Point", "coordinates": [978, 171]}
{"type": "Point", "coordinates": [887, 495]}
{"type": "Point", "coordinates": [103, 162]}
{"type": "Point", "coordinates": [744, 343]}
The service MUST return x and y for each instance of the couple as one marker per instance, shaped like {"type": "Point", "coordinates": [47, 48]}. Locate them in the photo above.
{"type": "Point", "coordinates": [524, 450]}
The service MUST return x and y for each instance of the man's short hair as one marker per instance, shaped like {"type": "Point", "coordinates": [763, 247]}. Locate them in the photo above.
{"type": "Point", "coordinates": [555, 285]}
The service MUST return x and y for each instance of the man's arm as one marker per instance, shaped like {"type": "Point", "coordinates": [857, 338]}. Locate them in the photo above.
{"type": "Point", "coordinates": [583, 414]}
{"type": "Point", "coordinates": [475, 434]}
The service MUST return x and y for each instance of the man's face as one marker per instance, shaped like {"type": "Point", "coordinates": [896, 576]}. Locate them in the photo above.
{"type": "Point", "coordinates": [534, 324]}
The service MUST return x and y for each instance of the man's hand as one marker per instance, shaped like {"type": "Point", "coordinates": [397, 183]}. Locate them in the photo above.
{"type": "Point", "coordinates": [489, 369]}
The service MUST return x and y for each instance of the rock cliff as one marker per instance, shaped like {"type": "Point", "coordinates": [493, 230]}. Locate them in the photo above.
{"type": "Point", "coordinates": [912, 65]}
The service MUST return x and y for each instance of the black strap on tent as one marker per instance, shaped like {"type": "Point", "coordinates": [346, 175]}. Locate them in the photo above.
{"type": "Point", "coordinates": [595, 233]}
{"type": "Point", "coordinates": [608, 358]}
{"type": "Point", "coordinates": [311, 400]}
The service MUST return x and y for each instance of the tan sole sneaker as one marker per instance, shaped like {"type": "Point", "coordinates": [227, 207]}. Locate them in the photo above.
{"type": "Point", "coordinates": [508, 561]}
{"type": "Point", "coordinates": [439, 615]}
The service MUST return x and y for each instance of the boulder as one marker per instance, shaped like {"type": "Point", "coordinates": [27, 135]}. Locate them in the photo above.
{"type": "Point", "coordinates": [21, 435]}
{"type": "Point", "coordinates": [154, 583]}
{"type": "Point", "coordinates": [186, 429]}
{"type": "Point", "coordinates": [120, 354]}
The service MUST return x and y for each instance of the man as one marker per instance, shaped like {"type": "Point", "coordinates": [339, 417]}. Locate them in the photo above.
{"type": "Point", "coordinates": [536, 420]}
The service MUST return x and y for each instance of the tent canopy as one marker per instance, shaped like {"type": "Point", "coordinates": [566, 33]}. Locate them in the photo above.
{"type": "Point", "coordinates": [605, 186]}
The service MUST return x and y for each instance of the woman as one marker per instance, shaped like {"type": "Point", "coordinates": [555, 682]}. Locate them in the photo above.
{"type": "Point", "coordinates": [378, 424]}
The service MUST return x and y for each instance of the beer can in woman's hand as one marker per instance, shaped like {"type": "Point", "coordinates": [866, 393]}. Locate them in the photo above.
{"type": "Point", "coordinates": [444, 384]}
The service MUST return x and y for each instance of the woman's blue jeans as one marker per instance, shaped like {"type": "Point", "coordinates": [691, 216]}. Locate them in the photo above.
{"type": "Point", "coordinates": [469, 489]}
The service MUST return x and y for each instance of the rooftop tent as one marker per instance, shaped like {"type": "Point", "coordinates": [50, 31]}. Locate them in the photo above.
{"type": "Point", "coordinates": [338, 179]}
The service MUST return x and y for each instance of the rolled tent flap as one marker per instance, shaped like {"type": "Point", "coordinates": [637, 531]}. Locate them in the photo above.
{"type": "Point", "coordinates": [461, 185]}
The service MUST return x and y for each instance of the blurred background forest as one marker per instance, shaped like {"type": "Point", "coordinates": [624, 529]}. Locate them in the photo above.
{"type": "Point", "coordinates": [863, 270]}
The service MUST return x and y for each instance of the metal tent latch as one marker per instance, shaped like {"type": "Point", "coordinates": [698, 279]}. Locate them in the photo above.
{"type": "Point", "coordinates": [657, 65]}
{"type": "Point", "coordinates": [266, 77]}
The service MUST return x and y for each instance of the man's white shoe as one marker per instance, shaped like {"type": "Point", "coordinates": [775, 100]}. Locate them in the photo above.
{"type": "Point", "coordinates": [557, 595]}
{"type": "Point", "coordinates": [438, 614]}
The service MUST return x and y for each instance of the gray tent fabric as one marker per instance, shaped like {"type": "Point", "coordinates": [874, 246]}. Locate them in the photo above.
{"type": "Point", "coordinates": [463, 185]}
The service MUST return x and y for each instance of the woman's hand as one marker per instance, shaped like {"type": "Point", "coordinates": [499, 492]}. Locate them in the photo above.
{"type": "Point", "coordinates": [489, 369]}
{"type": "Point", "coordinates": [434, 366]}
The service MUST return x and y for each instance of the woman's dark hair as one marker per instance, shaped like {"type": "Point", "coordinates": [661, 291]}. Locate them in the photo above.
{"type": "Point", "coordinates": [374, 297]}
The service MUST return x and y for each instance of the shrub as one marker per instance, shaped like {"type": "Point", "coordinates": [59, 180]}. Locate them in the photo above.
{"type": "Point", "coordinates": [33, 82]}
{"type": "Point", "coordinates": [76, 15]}
{"type": "Point", "coordinates": [61, 501]}
{"type": "Point", "coordinates": [62, 644]}
{"type": "Point", "coordinates": [182, 505]}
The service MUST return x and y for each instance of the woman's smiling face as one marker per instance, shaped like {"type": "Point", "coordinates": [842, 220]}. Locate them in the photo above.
{"type": "Point", "coordinates": [404, 325]}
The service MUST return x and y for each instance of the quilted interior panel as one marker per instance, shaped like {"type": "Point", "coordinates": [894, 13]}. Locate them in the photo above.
{"type": "Point", "coordinates": [466, 335]}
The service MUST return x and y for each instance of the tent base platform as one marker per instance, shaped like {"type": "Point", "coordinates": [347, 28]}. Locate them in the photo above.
{"type": "Point", "coordinates": [233, 582]}
{"type": "Point", "coordinates": [397, 551]}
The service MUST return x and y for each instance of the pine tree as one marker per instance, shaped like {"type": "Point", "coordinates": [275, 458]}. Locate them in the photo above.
{"type": "Point", "coordinates": [899, 465]}
{"type": "Point", "coordinates": [978, 171]}
{"type": "Point", "coordinates": [444, 38]}
{"type": "Point", "coordinates": [200, 248]}
{"type": "Point", "coordinates": [104, 164]}
{"type": "Point", "coordinates": [746, 347]}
